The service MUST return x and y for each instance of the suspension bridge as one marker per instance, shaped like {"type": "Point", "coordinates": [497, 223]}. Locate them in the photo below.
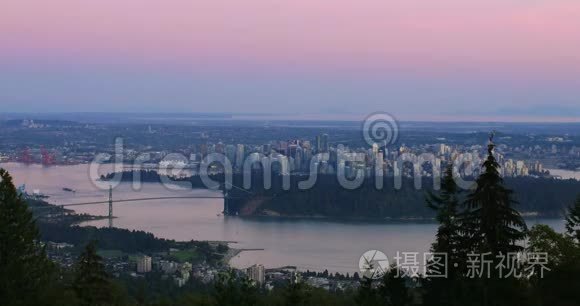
{"type": "Point", "coordinates": [230, 204]}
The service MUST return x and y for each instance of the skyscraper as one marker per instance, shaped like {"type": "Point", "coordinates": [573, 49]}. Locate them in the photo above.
{"type": "Point", "coordinates": [256, 273]}
{"type": "Point", "coordinates": [144, 264]}
{"type": "Point", "coordinates": [240, 156]}
{"type": "Point", "coordinates": [324, 143]}
{"type": "Point", "coordinates": [231, 153]}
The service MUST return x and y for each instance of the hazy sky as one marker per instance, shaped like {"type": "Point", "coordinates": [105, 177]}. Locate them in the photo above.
{"type": "Point", "coordinates": [418, 59]}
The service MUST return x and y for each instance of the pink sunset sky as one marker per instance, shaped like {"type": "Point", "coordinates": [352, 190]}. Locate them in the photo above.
{"type": "Point", "coordinates": [420, 59]}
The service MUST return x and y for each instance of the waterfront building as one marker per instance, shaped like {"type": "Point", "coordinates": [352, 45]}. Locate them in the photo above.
{"type": "Point", "coordinates": [144, 264]}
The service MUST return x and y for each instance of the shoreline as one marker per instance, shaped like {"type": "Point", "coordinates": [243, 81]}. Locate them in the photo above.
{"type": "Point", "coordinates": [233, 252]}
{"type": "Point", "coordinates": [387, 220]}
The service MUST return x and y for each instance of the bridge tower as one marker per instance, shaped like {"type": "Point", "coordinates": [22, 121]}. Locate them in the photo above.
{"type": "Point", "coordinates": [226, 200]}
{"type": "Point", "coordinates": [110, 206]}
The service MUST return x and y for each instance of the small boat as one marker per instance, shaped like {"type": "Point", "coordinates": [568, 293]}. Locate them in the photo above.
{"type": "Point", "coordinates": [69, 189]}
{"type": "Point", "coordinates": [38, 195]}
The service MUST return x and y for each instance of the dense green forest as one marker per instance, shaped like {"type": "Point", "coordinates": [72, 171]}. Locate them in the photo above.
{"type": "Point", "coordinates": [108, 238]}
{"type": "Point", "coordinates": [545, 197]}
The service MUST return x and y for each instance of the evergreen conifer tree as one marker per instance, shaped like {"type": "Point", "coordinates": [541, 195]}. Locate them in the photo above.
{"type": "Point", "coordinates": [393, 290]}
{"type": "Point", "coordinates": [491, 222]}
{"type": "Point", "coordinates": [492, 228]}
{"type": "Point", "coordinates": [573, 221]}
{"type": "Point", "coordinates": [446, 204]}
{"type": "Point", "coordinates": [448, 241]}
{"type": "Point", "coordinates": [24, 268]}
{"type": "Point", "coordinates": [366, 294]}
{"type": "Point", "coordinates": [92, 283]}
